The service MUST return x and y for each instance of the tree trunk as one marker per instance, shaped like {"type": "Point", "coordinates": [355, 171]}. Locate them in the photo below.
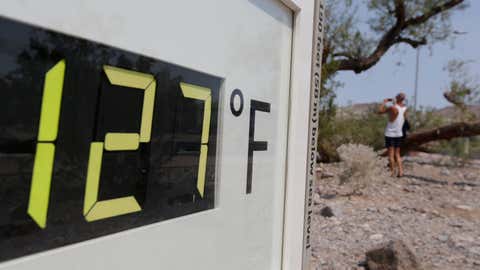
{"type": "Point", "coordinates": [455, 130]}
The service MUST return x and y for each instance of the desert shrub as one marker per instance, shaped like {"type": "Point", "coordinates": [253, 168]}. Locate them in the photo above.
{"type": "Point", "coordinates": [425, 118]}
{"type": "Point", "coordinates": [364, 129]}
{"type": "Point", "coordinates": [362, 165]}
{"type": "Point", "coordinates": [465, 148]}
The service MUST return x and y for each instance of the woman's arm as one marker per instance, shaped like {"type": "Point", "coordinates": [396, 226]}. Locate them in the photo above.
{"type": "Point", "coordinates": [383, 107]}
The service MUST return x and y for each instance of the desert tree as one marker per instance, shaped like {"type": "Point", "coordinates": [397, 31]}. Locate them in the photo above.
{"type": "Point", "coordinates": [356, 45]}
{"type": "Point", "coordinates": [463, 92]}
{"type": "Point", "coordinates": [359, 33]}
{"type": "Point", "coordinates": [464, 88]}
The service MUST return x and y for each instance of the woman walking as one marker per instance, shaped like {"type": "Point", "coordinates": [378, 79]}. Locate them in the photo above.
{"type": "Point", "coordinates": [394, 131]}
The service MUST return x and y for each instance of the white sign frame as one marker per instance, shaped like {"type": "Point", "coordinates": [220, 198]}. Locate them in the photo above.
{"type": "Point", "coordinates": [302, 133]}
{"type": "Point", "coordinates": [301, 143]}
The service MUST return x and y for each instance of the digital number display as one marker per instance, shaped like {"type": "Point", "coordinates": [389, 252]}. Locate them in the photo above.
{"type": "Point", "coordinates": [95, 140]}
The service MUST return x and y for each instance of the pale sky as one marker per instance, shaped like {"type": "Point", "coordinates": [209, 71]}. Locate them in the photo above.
{"type": "Point", "coordinates": [387, 77]}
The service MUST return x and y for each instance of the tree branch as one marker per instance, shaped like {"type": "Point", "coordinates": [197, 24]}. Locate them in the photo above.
{"type": "Point", "coordinates": [393, 36]}
{"type": "Point", "coordinates": [412, 42]}
{"type": "Point", "coordinates": [343, 54]}
{"type": "Point", "coordinates": [400, 11]}
{"type": "Point", "coordinates": [453, 98]}
{"type": "Point", "coordinates": [448, 132]}
{"type": "Point", "coordinates": [432, 12]}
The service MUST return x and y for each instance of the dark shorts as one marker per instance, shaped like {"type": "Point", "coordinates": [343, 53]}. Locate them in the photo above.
{"type": "Point", "coordinates": [393, 142]}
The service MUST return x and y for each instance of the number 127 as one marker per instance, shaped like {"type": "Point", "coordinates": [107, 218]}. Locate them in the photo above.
{"type": "Point", "coordinates": [93, 209]}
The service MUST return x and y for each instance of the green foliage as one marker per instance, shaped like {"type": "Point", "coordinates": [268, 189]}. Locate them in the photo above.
{"type": "Point", "coordinates": [343, 33]}
{"type": "Point", "coordinates": [349, 36]}
{"type": "Point", "coordinates": [438, 28]}
{"type": "Point", "coordinates": [366, 128]}
{"type": "Point", "coordinates": [464, 148]}
{"type": "Point", "coordinates": [425, 118]}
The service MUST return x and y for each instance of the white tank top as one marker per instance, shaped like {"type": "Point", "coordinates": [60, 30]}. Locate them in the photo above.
{"type": "Point", "coordinates": [394, 129]}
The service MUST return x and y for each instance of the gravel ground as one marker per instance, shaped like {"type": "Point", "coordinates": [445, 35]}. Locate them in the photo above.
{"type": "Point", "coordinates": [435, 210]}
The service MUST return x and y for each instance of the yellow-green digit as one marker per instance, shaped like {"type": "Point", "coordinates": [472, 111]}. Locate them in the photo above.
{"type": "Point", "coordinates": [45, 152]}
{"type": "Point", "coordinates": [93, 209]}
{"type": "Point", "coordinates": [205, 94]}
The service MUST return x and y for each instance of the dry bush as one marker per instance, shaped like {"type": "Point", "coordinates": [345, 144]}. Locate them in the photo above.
{"type": "Point", "coordinates": [362, 166]}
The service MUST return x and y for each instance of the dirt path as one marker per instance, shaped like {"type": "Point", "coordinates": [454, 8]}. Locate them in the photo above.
{"type": "Point", "coordinates": [435, 210]}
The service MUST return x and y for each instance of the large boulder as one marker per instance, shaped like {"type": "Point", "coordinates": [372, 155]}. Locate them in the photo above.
{"type": "Point", "coordinates": [393, 255]}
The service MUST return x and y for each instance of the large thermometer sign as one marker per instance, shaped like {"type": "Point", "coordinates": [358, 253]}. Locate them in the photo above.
{"type": "Point", "coordinates": [95, 140]}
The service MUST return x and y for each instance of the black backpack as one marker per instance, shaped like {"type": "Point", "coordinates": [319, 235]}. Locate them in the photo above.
{"type": "Point", "coordinates": [405, 128]}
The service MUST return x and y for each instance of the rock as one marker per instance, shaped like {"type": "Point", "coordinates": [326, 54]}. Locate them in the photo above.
{"type": "Point", "coordinates": [326, 174]}
{"type": "Point", "coordinates": [394, 255]}
{"type": "Point", "coordinates": [462, 240]}
{"type": "Point", "coordinates": [464, 207]}
{"type": "Point", "coordinates": [474, 251]}
{"type": "Point", "coordinates": [317, 199]}
{"type": "Point", "coordinates": [326, 212]}
{"type": "Point", "coordinates": [434, 219]}
{"type": "Point", "coordinates": [445, 172]}
{"type": "Point", "coordinates": [376, 237]}
{"type": "Point", "coordinates": [362, 264]}
{"type": "Point", "coordinates": [470, 176]}
{"type": "Point", "coordinates": [443, 238]}
{"type": "Point", "coordinates": [322, 262]}
{"type": "Point", "coordinates": [435, 213]}
{"type": "Point", "coordinates": [394, 208]}
{"type": "Point", "coordinates": [328, 196]}
{"type": "Point", "coordinates": [366, 227]}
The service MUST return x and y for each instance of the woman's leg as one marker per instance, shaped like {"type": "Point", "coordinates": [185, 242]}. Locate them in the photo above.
{"type": "Point", "coordinates": [398, 159]}
{"type": "Point", "coordinates": [391, 159]}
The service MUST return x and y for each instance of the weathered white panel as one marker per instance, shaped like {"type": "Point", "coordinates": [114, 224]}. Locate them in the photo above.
{"type": "Point", "coordinates": [249, 44]}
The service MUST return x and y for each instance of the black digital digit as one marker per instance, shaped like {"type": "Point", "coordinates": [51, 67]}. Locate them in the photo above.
{"type": "Point", "coordinates": [166, 170]}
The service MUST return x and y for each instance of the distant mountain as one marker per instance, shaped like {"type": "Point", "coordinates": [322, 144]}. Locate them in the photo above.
{"type": "Point", "coordinates": [452, 113]}
{"type": "Point", "coordinates": [356, 110]}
